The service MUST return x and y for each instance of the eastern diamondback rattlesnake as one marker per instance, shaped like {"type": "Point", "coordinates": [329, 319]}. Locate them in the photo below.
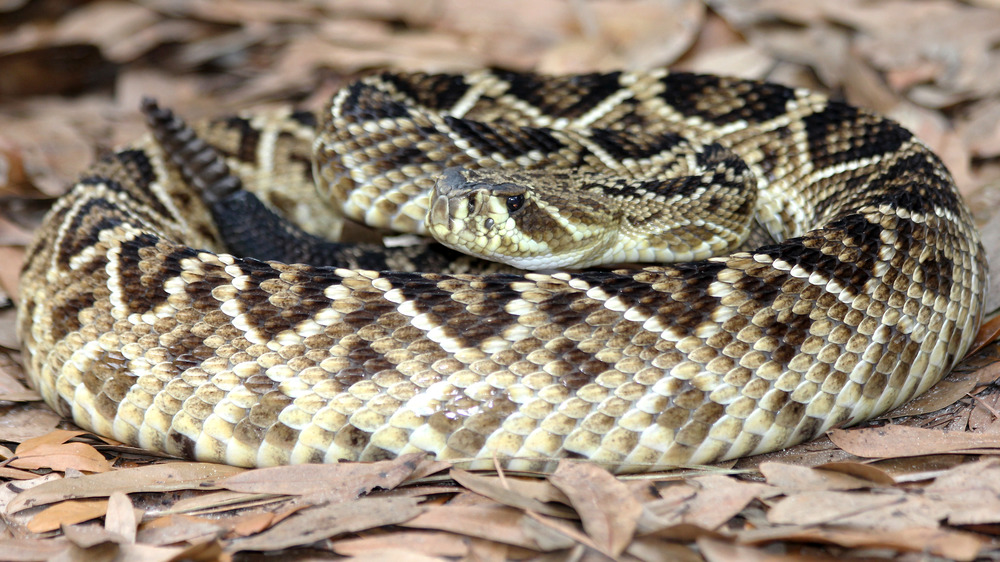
{"type": "Point", "coordinates": [136, 325]}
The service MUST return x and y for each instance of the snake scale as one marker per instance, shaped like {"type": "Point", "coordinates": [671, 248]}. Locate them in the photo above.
{"type": "Point", "coordinates": [138, 325]}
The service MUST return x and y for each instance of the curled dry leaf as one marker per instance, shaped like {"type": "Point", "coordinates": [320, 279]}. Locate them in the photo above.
{"type": "Point", "coordinates": [609, 511]}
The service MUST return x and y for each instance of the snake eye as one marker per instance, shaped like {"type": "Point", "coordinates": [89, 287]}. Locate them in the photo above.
{"type": "Point", "coordinates": [514, 202]}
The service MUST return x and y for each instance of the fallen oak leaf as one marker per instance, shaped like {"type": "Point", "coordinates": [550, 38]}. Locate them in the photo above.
{"type": "Point", "coordinates": [327, 482]}
{"type": "Point", "coordinates": [958, 384]}
{"type": "Point", "coordinates": [987, 333]}
{"type": "Point", "coordinates": [790, 478]}
{"type": "Point", "coordinates": [121, 518]}
{"type": "Point", "coordinates": [651, 549]}
{"type": "Point", "coordinates": [21, 396]}
{"type": "Point", "coordinates": [892, 441]}
{"type": "Point", "coordinates": [504, 492]}
{"type": "Point", "coordinates": [855, 510]}
{"type": "Point", "coordinates": [176, 529]}
{"type": "Point", "coordinates": [153, 478]}
{"type": "Point", "coordinates": [606, 506]}
{"type": "Point", "coordinates": [67, 513]}
{"type": "Point", "coordinates": [61, 457]}
{"type": "Point", "coordinates": [318, 523]}
{"type": "Point", "coordinates": [433, 543]}
{"type": "Point", "coordinates": [946, 543]}
{"type": "Point", "coordinates": [8, 473]}
{"type": "Point", "coordinates": [57, 437]}
{"type": "Point", "coordinates": [220, 501]}
{"type": "Point", "coordinates": [492, 522]}
{"type": "Point", "coordinates": [33, 549]}
{"type": "Point", "coordinates": [716, 500]}
{"type": "Point", "coordinates": [867, 472]}
{"type": "Point", "coordinates": [716, 550]}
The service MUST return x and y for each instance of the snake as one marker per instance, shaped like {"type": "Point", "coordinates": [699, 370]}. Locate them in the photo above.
{"type": "Point", "coordinates": [818, 268]}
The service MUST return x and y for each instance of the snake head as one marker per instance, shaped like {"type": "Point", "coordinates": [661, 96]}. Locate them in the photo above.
{"type": "Point", "coordinates": [526, 219]}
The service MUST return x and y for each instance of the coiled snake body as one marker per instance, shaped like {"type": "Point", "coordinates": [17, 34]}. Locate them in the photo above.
{"type": "Point", "coordinates": [138, 326]}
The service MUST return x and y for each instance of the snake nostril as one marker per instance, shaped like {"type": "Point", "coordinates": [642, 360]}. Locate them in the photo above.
{"type": "Point", "coordinates": [489, 224]}
{"type": "Point", "coordinates": [471, 205]}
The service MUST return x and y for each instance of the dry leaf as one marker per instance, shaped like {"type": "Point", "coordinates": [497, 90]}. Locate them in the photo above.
{"type": "Point", "coordinates": [721, 551]}
{"type": "Point", "coordinates": [497, 523]}
{"type": "Point", "coordinates": [955, 386]}
{"type": "Point", "coordinates": [904, 441]}
{"type": "Point", "coordinates": [121, 518]}
{"type": "Point", "coordinates": [57, 437]}
{"type": "Point", "coordinates": [153, 478]}
{"type": "Point", "coordinates": [221, 501]}
{"type": "Point", "coordinates": [954, 545]}
{"type": "Point", "coordinates": [608, 510]}
{"type": "Point", "coordinates": [505, 493]}
{"type": "Point", "coordinates": [13, 256]}
{"type": "Point", "coordinates": [791, 479]}
{"type": "Point", "coordinates": [424, 542]}
{"type": "Point", "coordinates": [859, 510]}
{"type": "Point", "coordinates": [971, 491]}
{"type": "Point", "coordinates": [79, 456]}
{"type": "Point", "coordinates": [988, 332]}
{"type": "Point", "coordinates": [867, 472]}
{"type": "Point", "coordinates": [716, 500]}
{"type": "Point", "coordinates": [67, 513]}
{"type": "Point", "coordinates": [30, 549]}
{"type": "Point", "coordinates": [327, 482]}
{"type": "Point", "coordinates": [318, 523]}
{"type": "Point", "coordinates": [654, 549]}
{"type": "Point", "coordinates": [176, 529]}
{"type": "Point", "coordinates": [8, 473]}
{"type": "Point", "coordinates": [26, 421]}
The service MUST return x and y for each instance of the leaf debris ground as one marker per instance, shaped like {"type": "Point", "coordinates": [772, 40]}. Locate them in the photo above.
{"type": "Point", "coordinates": [921, 486]}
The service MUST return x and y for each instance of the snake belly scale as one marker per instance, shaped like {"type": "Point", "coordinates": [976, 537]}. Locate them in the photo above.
{"type": "Point", "coordinates": [137, 325]}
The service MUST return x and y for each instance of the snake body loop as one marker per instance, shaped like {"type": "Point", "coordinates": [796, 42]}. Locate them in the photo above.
{"type": "Point", "coordinates": [139, 326]}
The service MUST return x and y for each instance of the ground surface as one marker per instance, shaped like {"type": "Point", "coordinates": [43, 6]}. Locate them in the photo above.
{"type": "Point", "coordinates": [924, 484]}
